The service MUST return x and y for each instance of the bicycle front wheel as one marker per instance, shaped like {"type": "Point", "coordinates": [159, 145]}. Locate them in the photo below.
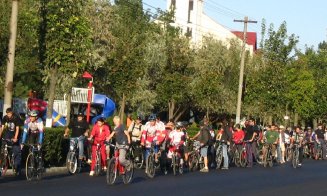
{"type": "Point", "coordinates": [219, 157]}
{"type": "Point", "coordinates": [129, 173]}
{"type": "Point", "coordinates": [71, 162]}
{"type": "Point", "coordinates": [174, 164]}
{"type": "Point", "coordinates": [30, 167]}
{"type": "Point", "coordinates": [111, 171]}
{"type": "Point", "coordinates": [295, 159]}
{"type": "Point", "coordinates": [150, 169]}
{"type": "Point", "coordinates": [97, 167]}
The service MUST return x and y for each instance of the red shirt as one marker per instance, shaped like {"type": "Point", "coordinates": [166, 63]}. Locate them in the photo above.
{"type": "Point", "coordinates": [238, 135]}
{"type": "Point", "coordinates": [100, 137]}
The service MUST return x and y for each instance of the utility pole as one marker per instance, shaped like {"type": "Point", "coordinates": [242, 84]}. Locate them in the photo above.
{"type": "Point", "coordinates": [9, 85]}
{"type": "Point", "coordinates": [240, 87]}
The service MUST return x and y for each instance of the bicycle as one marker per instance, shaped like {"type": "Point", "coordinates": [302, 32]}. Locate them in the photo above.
{"type": "Point", "coordinates": [138, 160]}
{"type": "Point", "coordinates": [114, 168]}
{"type": "Point", "coordinates": [73, 163]}
{"type": "Point", "coordinates": [268, 158]}
{"type": "Point", "coordinates": [195, 159]}
{"type": "Point", "coordinates": [318, 154]}
{"type": "Point", "coordinates": [177, 161]}
{"type": "Point", "coordinates": [239, 158]}
{"type": "Point", "coordinates": [288, 153]}
{"type": "Point", "coordinates": [150, 168]}
{"type": "Point", "coordinates": [7, 158]}
{"type": "Point", "coordinates": [295, 156]}
{"type": "Point", "coordinates": [219, 153]}
{"type": "Point", "coordinates": [34, 162]}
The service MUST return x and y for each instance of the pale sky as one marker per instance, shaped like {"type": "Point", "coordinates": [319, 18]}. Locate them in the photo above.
{"type": "Point", "coordinates": [306, 19]}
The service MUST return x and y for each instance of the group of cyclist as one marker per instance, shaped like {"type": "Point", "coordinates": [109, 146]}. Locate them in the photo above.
{"type": "Point", "coordinates": [167, 140]}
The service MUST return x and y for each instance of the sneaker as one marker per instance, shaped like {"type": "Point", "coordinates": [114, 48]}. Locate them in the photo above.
{"type": "Point", "coordinates": [224, 168]}
{"type": "Point", "coordinates": [89, 161]}
{"type": "Point", "coordinates": [91, 173]}
{"type": "Point", "coordinates": [104, 168]}
{"type": "Point", "coordinates": [128, 168]}
{"type": "Point", "coordinates": [204, 170]}
{"type": "Point", "coordinates": [300, 164]}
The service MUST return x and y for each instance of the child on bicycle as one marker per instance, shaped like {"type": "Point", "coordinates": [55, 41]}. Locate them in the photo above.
{"type": "Point", "coordinates": [99, 134]}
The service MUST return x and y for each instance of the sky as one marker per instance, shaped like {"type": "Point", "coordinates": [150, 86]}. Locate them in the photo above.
{"type": "Point", "coordinates": [307, 19]}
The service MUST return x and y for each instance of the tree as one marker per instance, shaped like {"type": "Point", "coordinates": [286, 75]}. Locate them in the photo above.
{"type": "Point", "coordinates": [67, 43]}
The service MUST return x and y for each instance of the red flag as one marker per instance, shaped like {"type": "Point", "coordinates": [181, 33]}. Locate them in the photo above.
{"type": "Point", "coordinates": [87, 75]}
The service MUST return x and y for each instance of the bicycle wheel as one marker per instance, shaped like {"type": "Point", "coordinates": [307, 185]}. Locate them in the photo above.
{"type": "Point", "coordinates": [111, 171]}
{"type": "Point", "coordinates": [127, 178]}
{"type": "Point", "coordinates": [174, 164]}
{"type": "Point", "coordinates": [219, 157]}
{"type": "Point", "coordinates": [4, 164]}
{"type": "Point", "coordinates": [97, 167]}
{"type": "Point", "coordinates": [243, 158]}
{"type": "Point", "coordinates": [236, 159]}
{"type": "Point", "coordinates": [150, 170]}
{"type": "Point", "coordinates": [192, 162]}
{"type": "Point", "coordinates": [71, 162]}
{"type": "Point", "coordinates": [139, 164]}
{"type": "Point", "coordinates": [200, 161]}
{"type": "Point", "coordinates": [270, 159]}
{"type": "Point", "coordinates": [289, 154]}
{"type": "Point", "coordinates": [295, 158]}
{"type": "Point", "coordinates": [30, 167]}
{"type": "Point", "coordinates": [39, 171]}
{"type": "Point", "coordinates": [181, 167]}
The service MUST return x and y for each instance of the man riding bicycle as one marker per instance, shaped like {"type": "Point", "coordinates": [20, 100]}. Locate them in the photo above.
{"type": "Point", "coordinates": [270, 138]}
{"type": "Point", "coordinates": [320, 140]}
{"type": "Point", "coordinates": [33, 130]}
{"type": "Point", "coordinates": [10, 127]}
{"type": "Point", "coordinates": [135, 129]}
{"type": "Point", "coordinates": [298, 138]}
{"type": "Point", "coordinates": [80, 129]}
{"type": "Point", "coordinates": [123, 141]}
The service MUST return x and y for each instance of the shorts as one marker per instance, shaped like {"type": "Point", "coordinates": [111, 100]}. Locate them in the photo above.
{"type": "Point", "coordinates": [204, 151]}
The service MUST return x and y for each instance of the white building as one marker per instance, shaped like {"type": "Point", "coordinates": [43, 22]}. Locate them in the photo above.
{"type": "Point", "coordinates": [189, 16]}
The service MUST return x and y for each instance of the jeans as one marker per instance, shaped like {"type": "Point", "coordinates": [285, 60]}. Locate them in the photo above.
{"type": "Point", "coordinates": [225, 155]}
{"type": "Point", "coordinates": [122, 155]}
{"type": "Point", "coordinates": [80, 141]}
{"type": "Point", "coordinates": [249, 154]}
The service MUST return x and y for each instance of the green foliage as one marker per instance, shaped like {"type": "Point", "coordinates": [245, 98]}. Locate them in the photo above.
{"type": "Point", "coordinates": [55, 147]}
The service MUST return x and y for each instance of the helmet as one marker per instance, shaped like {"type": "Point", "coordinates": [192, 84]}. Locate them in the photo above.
{"type": "Point", "coordinates": [179, 125]}
{"type": "Point", "coordinates": [152, 117]}
{"type": "Point", "coordinates": [33, 113]}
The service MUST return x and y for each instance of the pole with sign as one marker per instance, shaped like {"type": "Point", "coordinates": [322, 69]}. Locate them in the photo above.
{"type": "Point", "coordinates": [89, 94]}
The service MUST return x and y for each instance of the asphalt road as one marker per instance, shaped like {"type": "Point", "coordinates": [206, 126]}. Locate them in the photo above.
{"type": "Point", "coordinates": [310, 179]}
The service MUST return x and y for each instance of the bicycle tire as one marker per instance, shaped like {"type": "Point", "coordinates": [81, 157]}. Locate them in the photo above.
{"type": "Point", "coordinates": [243, 158]}
{"type": "Point", "coordinates": [236, 158]}
{"type": "Point", "coordinates": [150, 170]}
{"type": "Point", "coordinates": [39, 170]}
{"type": "Point", "coordinates": [219, 157]}
{"type": "Point", "coordinates": [71, 162]}
{"type": "Point", "coordinates": [97, 167]}
{"type": "Point", "coordinates": [127, 178]}
{"type": "Point", "coordinates": [174, 164]}
{"type": "Point", "coordinates": [4, 164]}
{"type": "Point", "coordinates": [139, 164]}
{"type": "Point", "coordinates": [295, 159]}
{"type": "Point", "coordinates": [111, 171]}
{"type": "Point", "coordinates": [30, 167]}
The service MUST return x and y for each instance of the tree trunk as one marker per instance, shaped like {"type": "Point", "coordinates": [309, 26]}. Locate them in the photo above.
{"type": "Point", "coordinates": [68, 102]}
{"type": "Point", "coordinates": [122, 108]}
{"type": "Point", "coordinates": [171, 108]}
{"type": "Point", "coordinates": [315, 124]}
{"type": "Point", "coordinates": [296, 119]}
{"type": "Point", "coordinates": [52, 91]}
{"type": "Point", "coordinates": [179, 114]}
{"type": "Point", "coordinates": [9, 83]}
{"type": "Point", "coordinates": [270, 119]}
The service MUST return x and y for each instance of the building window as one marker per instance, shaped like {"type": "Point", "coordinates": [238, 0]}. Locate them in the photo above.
{"type": "Point", "coordinates": [188, 32]}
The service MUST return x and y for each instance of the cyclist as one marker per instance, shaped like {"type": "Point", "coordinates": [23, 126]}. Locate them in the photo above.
{"type": "Point", "coordinates": [135, 129]}
{"type": "Point", "coordinates": [298, 138]}
{"type": "Point", "coordinates": [224, 135]}
{"type": "Point", "coordinates": [10, 124]}
{"type": "Point", "coordinates": [80, 129]}
{"type": "Point", "coordinates": [270, 138]}
{"type": "Point", "coordinates": [238, 137]}
{"type": "Point", "coordinates": [34, 130]}
{"type": "Point", "coordinates": [249, 137]}
{"type": "Point", "coordinates": [319, 138]}
{"type": "Point", "coordinates": [123, 141]}
{"type": "Point", "coordinates": [100, 132]}
{"type": "Point", "coordinates": [204, 136]}
{"type": "Point", "coordinates": [150, 135]}
{"type": "Point", "coordinates": [176, 140]}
